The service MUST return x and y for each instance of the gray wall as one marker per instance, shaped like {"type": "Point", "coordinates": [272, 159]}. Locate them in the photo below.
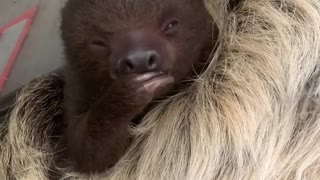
{"type": "Point", "coordinates": [41, 51]}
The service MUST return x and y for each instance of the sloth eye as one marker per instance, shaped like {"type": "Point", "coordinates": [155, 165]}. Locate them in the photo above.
{"type": "Point", "coordinates": [98, 44]}
{"type": "Point", "coordinates": [99, 47]}
{"type": "Point", "coordinates": [169, 26]}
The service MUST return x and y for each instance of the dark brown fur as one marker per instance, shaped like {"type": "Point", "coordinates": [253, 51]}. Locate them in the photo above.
{"type": "Point", "coordinates": [99, 106]}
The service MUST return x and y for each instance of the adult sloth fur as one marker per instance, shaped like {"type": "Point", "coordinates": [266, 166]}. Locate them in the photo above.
{"type": "Point", "coordinates": [253, 114]}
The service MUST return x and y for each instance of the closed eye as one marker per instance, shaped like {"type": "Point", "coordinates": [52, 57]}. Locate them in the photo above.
{"type": "Point", "coordinates": [99, 43]}
{"type": "Point", "coordinates": [99, 46]}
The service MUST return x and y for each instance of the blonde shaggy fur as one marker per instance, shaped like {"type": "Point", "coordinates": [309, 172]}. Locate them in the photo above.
{"type": "Point", "coordinates": [253, 114]}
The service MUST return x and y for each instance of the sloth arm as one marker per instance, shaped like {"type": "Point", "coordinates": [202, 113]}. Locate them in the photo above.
{"type": "Point", "coordinates": [99, 138]}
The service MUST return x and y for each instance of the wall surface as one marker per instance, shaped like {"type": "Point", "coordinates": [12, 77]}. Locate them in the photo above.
{"type": "Point", "coordinates": [41, 51]}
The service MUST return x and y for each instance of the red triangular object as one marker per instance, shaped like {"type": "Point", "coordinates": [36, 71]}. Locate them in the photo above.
{"type": "Point", "coordinates": [12, 36]}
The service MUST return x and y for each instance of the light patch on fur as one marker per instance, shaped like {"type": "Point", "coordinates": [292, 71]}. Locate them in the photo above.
{"type": "Point", "coordinates": [25, 150]}
{"type": "Point", "coordinates": [254, 113]}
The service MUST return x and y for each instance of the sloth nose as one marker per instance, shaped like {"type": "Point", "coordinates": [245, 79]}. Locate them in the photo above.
{"type": "Point", "coordinates": [140, 61]}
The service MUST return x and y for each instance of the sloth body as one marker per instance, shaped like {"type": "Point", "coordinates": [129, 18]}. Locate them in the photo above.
{"type": "Point", "coordinates": [121, 56]}
{"type": "Point", "coordinates": [252, 114]}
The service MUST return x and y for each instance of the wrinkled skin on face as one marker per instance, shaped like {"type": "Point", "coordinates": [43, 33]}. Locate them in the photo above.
{"type": "Point", "coordinates": [121, 55]}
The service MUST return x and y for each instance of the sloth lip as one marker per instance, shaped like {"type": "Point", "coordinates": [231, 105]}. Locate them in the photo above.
{"type": "Point", "coordinates": [157, 80]}
{"type": "Point", "coordinates": [165, 72]}
{"type": "Point", "coordinates": [114, 75]}
{"type": "Point", "coordinates": [161, 74]}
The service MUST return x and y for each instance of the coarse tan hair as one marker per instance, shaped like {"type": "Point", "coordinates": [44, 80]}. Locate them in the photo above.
{"type": "Point", "coordinates": [253, 114]}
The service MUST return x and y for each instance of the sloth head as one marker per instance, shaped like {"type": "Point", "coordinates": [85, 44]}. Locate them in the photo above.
{"type": "Point", "coordinates": [106, 39]}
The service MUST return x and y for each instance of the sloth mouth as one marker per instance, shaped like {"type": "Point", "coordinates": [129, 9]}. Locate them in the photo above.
{"type": "Point", "coordinates": [165, 73]}
{"type": "Point", "coordinates": [153, 81]}
{"type": "Point", "coordinates": [115, 74]}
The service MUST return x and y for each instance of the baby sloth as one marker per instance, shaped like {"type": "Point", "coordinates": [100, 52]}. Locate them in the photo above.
{"type": "Point", "coordinates": [122, 55]}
